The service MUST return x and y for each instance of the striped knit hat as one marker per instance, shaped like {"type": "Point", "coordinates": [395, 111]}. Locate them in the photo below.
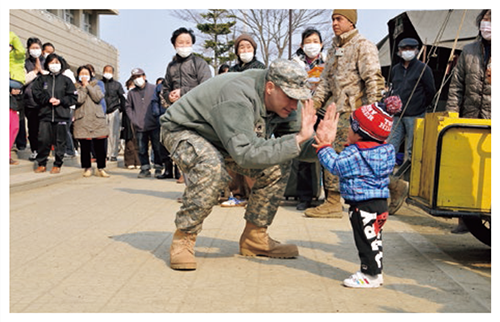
{"type": "Point", "coordinates": [374, 121]}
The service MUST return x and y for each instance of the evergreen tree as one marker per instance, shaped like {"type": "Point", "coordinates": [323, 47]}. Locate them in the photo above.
{"type": "Point", "coordinates": [218, 27]}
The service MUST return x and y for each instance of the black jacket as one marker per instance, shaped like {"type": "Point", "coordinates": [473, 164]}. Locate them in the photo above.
{"type": "Point", "coordinates": [54, 85]}
{"type": "Point", "coordinates": [404, 80]}
{"type": "Point", "coordinates": [114, 96]}
{"type": "Point", "coordinates": [241, 66]}
{"type": "Point", "coordinates": [184, 73]}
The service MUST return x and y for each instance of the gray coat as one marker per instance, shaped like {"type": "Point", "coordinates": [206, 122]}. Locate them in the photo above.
{"type": "Point", "coordinates": [90, 120]}
{"type": "Point", "coordinates": [470, 92]}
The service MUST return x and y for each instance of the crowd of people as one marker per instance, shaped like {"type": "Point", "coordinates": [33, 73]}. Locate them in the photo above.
{"type": "Point", "coordinates": [243, 127]}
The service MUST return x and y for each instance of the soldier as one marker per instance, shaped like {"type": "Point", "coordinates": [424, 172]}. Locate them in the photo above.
{"type": "Point", "coordinates": [228, 123]}
{"type": "Point", "coordinates": [351, 78]}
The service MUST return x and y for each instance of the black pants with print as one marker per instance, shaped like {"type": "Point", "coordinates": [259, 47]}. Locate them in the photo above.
{"type": "Point", "coordinates": [367, 218]}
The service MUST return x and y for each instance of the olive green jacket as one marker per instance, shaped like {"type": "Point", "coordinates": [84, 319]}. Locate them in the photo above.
{"type": "Point", "coordinates": [229, 111]}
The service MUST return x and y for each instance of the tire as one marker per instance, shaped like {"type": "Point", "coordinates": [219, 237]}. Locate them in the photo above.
{"type": "Point", "coordinates": [480, 228]}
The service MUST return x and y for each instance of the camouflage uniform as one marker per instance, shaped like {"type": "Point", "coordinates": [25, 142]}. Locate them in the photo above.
{"type": "Point", "coordinates": [351, 78]}
{"type": "Point", "coordinates": [223, 123]}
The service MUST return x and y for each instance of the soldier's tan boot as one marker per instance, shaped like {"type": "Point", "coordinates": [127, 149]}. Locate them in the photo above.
{"type": "Point", "coordinates": [398, 189]}
{"type": "Point", "coordinates": [256, 242]}
{"type": "Point", "coordinates": [182, 251]}
{"type": "Point", "coordinates": [331, 208]}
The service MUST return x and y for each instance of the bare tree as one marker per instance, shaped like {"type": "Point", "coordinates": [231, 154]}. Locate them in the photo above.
{"type": "Point", "coordinates": [270, 28]}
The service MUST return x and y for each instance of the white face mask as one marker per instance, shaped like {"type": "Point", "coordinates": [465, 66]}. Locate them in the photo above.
{"type": "Point", "coordinates": [82, 77]}
{"type": "Point", "coordinates": [139, 81]}
{"type": "Point", "coordinates": [184, 51]}
{"type": "Point", "coordinates": [35, 53]}
{"type": "Point", "coordinates": [485, 29]}
{"type": "Point", "coordinates": [108, 76]}
{"type": "Point", "coordinates": [55, 68]}
{"type": "Point", "coordinates": [408, 54]}
{"type": "Point", "coordinates": [312, 50]}
{"type": "Point", "coordinates": [246, 57]}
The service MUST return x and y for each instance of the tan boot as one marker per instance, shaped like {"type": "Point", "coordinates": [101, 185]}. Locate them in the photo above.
{"type": "Point", "coordinates": [256, 242]}
{"type": "Point", "coordinates": [399, 191]}
{"type": "Point", "coordinates": [331, 208]}
{"type": "Point", "coordinates": [182, 251]}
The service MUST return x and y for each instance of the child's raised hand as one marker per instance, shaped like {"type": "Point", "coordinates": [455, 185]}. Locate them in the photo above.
{"type": "Point", "coordinates": [327, 128]}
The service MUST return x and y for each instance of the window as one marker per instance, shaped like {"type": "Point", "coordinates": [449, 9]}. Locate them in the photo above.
{"type": "Point", "coordinates": [86, 25]}
{"type": "Point", "coordinates": [68, 16]}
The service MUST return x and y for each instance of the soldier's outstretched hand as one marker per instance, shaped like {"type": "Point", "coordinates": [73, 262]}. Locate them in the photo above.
{"type": "Point", "coordinates": [309, 118]}
{"type": "Point", "coordinates": [327, 128]}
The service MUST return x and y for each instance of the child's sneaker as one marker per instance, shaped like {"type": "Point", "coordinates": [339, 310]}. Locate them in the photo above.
{"type": "Point", "coordinates": [234, 202]}
{"type": "Point", "coordinates": [360, 280]}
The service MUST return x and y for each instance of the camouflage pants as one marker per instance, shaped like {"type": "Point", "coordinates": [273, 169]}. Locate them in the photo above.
{"type": "Point", "coordinates": [206, 172]}
{"type": "Point", "coordinates": [331, 181]}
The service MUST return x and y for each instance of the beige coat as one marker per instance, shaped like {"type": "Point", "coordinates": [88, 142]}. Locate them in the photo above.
{"type": "Point", "coordinates": [90, 120]}
{"type": "Point", "coordinates": [352, 75]}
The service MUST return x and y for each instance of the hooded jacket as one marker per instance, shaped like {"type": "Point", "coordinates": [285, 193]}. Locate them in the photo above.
{"type": "Point", "coordinates": [58, 86]}
{"type": "Point", "coordinates": [16, 59]}
{"type": "Point", "coordinates": [90, 120]}
{"type": "Point", "coordinates": [470, 92]}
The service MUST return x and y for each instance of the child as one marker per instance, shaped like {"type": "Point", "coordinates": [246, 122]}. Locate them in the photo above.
{"type": "Point", "coordinates": [363, 168]}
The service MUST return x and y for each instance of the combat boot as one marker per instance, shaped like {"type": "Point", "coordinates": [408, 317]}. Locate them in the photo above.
{"type": "Point", "coordinates": [182, 251]}
{"type": "Point", "coordinates": [331, 208]}
{"type": "Point", "coordinates": [256, 242]}
{"type": "Point", "coordinates": [398, 189]}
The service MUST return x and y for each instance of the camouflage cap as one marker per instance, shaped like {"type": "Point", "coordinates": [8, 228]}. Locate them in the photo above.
{"type": "Point", "coordinates": [290, 77]}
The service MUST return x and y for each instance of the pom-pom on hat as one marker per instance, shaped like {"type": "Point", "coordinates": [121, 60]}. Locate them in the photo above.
{"type": "Point", "coordinates": [374, 121]}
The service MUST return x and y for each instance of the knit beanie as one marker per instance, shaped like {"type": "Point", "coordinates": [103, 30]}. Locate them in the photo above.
{"type": "Point", "coordinates": [374, 121]}
{"type": "Point", "coordinates": [350, 14]}
{"type": "Point", "coordinates": [246, 37]}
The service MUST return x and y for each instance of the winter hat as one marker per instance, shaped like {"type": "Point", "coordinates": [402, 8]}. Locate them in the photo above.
{"type": "Point", "coordinates": [246, 37]}
{"type": "Point", "coordinates": [374, 121]}
{"type": "Point", "coordinates": [350, 14]}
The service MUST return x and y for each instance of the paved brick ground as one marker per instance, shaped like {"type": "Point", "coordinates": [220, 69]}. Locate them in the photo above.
{"type": "Point", "coordinates": [101, 245]}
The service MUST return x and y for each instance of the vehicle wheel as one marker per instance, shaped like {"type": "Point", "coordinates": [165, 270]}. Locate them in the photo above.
{"type": "Point", "coordinates": [480, 228]}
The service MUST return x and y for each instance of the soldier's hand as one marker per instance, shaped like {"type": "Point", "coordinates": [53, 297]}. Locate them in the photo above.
{"type": "Point", "coordinates": [327, 128]}
{"type": "Point", "coordinates": [309, 118]}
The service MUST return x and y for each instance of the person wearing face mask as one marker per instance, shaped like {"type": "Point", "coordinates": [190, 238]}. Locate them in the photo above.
{"type": "Point", "coordinates": [184, 72]}
{"type": "Point", "coordinates": [90, 127]}
{"type": "Point", "coordinates": [33, 67]}
{"type": "Point", "coordinates": [246, 49]}
{"type": "Point", "coordinates": [413, 82]}
{"type": "Point", "coordinates": [311, 57]}
{"type": "Point", "coordinates": [470, 86]}
{"type": "Point", "coordinates": [469, 94]}
{"type": "Point", "coordinates": [139, 110]}
{"type": "Point", "coordinates": [115, 104]}
{"type": "Point", "coordinates": [352, 78]}
{"type": "Point", "coordinates": [54, 93]}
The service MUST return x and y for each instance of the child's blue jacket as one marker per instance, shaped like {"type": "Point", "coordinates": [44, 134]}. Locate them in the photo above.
{"type": "Point", "coordinates": [363, 169]}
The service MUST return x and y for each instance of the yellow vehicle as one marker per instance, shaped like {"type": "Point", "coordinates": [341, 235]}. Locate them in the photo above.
{"type": "Point", "coordinates": [451, 170]}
